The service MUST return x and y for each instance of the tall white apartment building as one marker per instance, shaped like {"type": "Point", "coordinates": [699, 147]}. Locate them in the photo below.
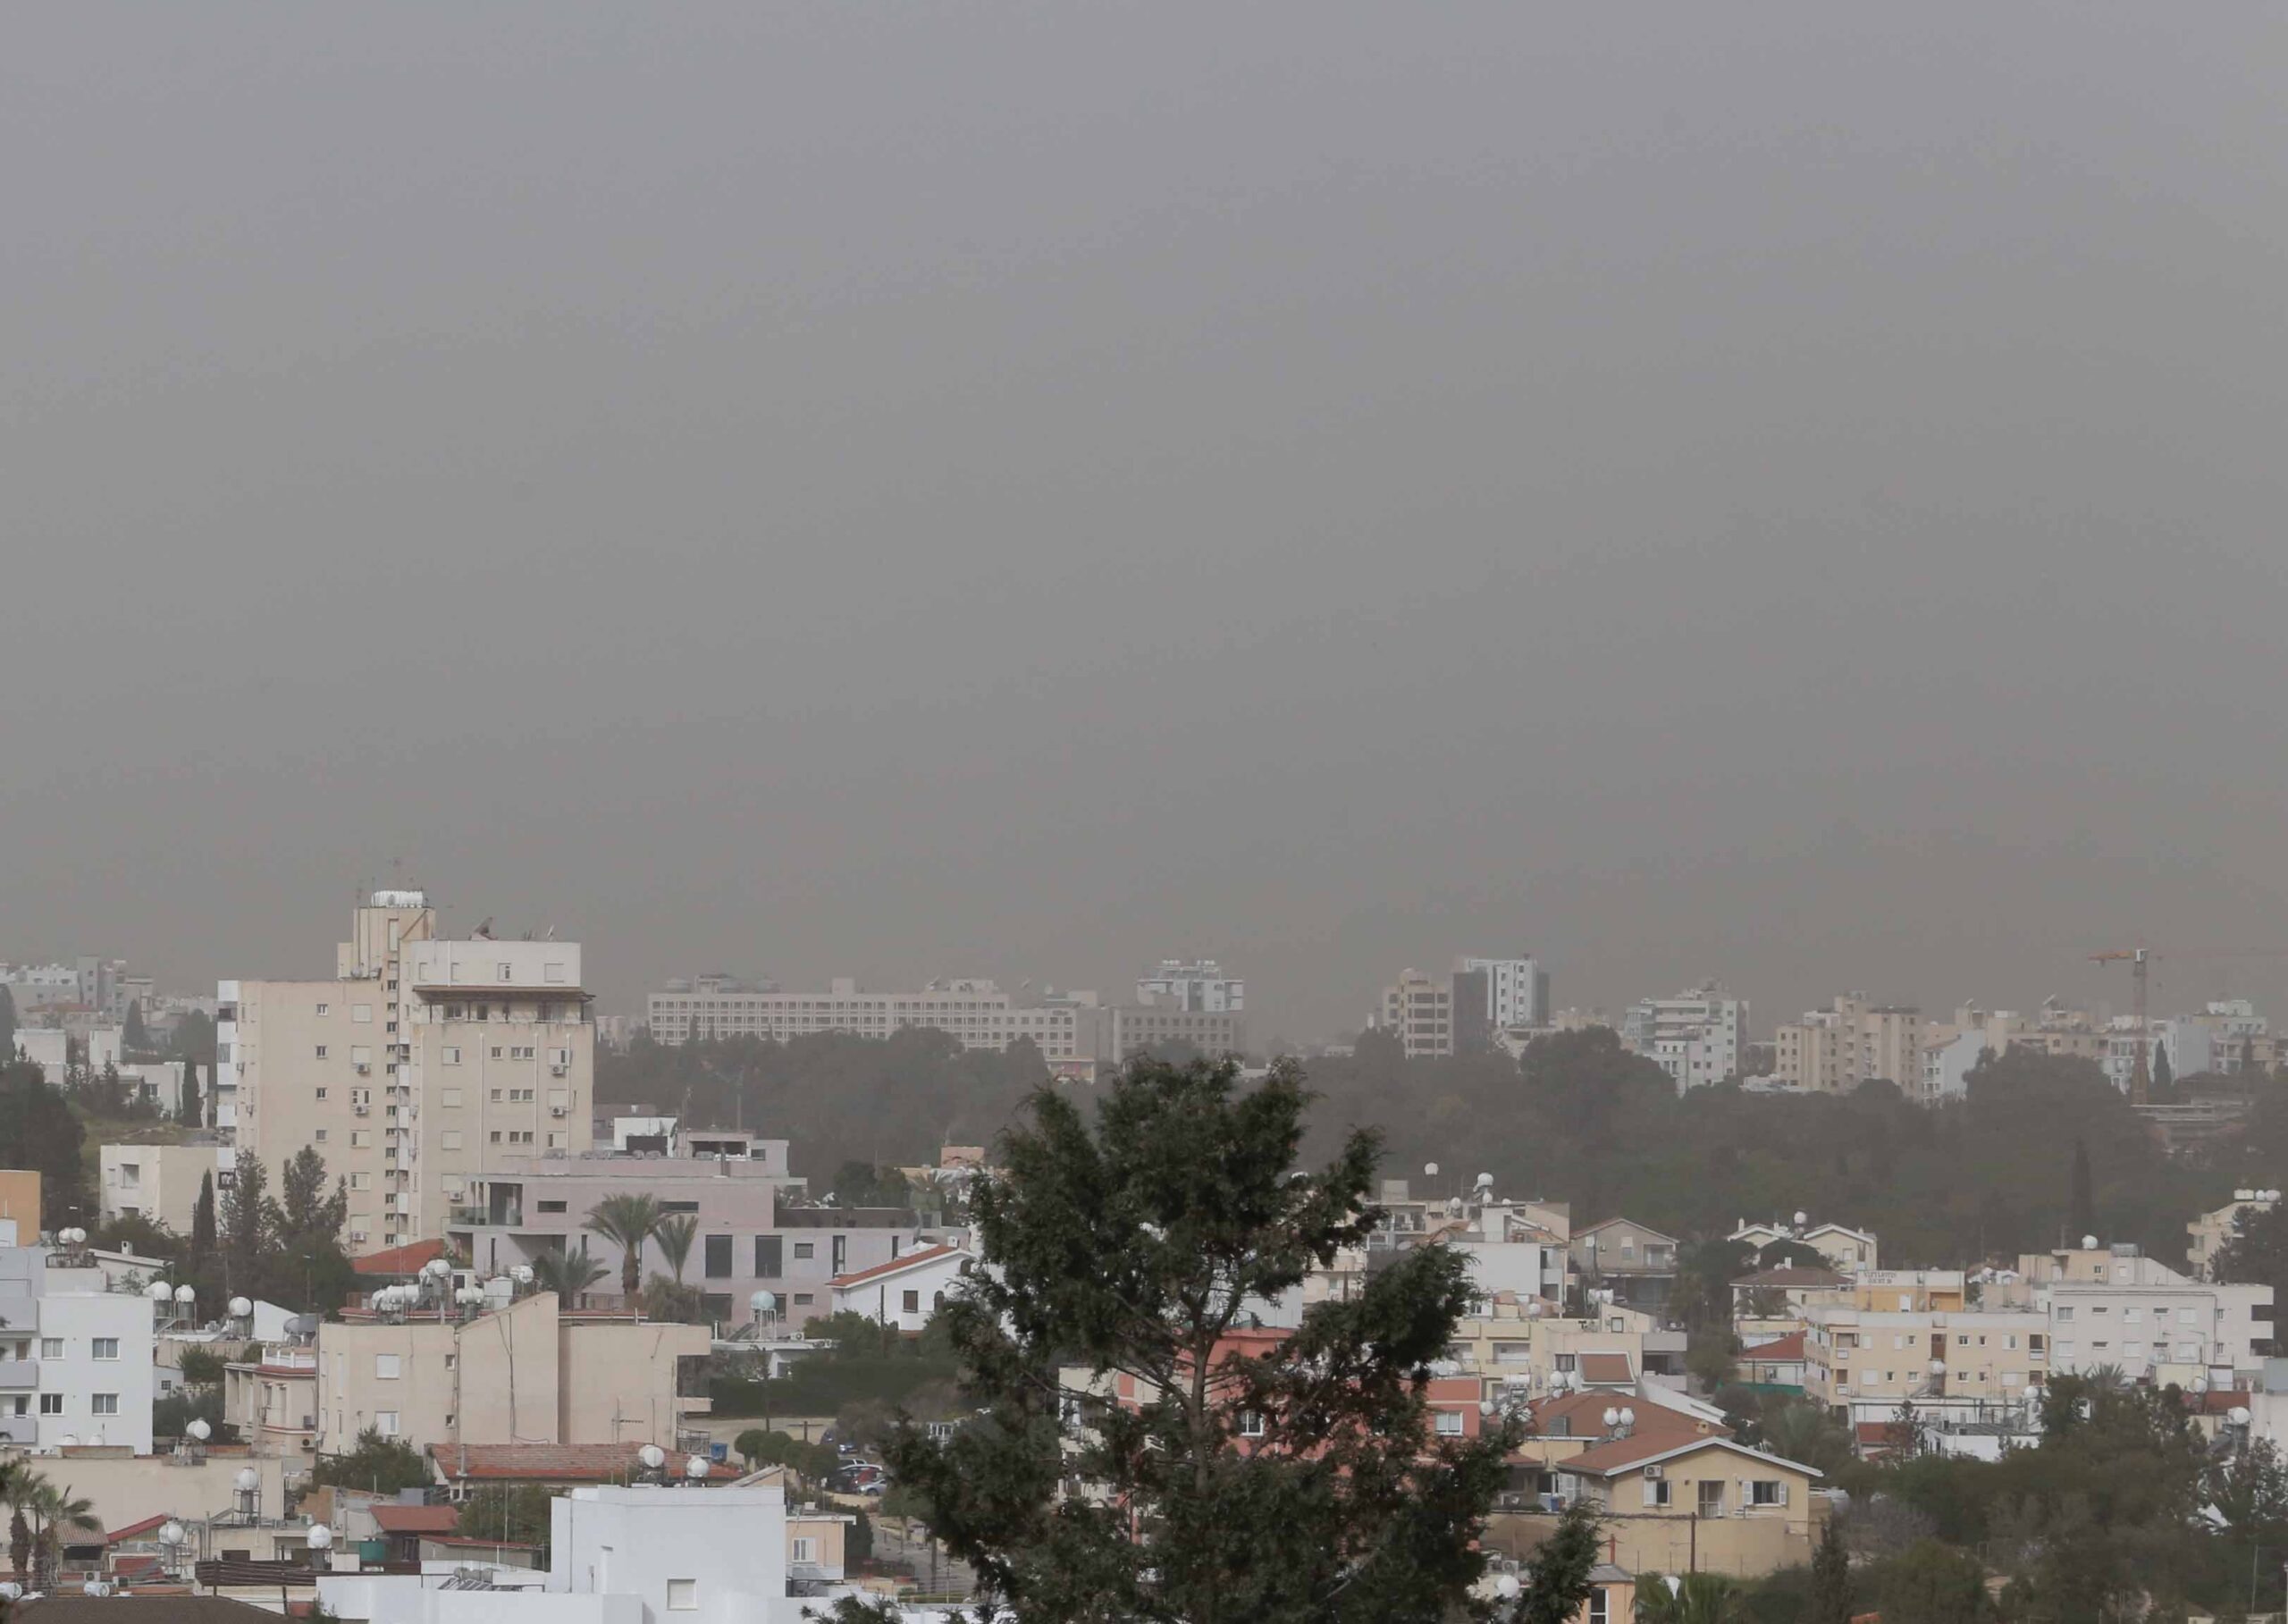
{"type": "Point", "coordinates": [75, 1356]}
{"type": "Point", "coordinates": [1697, 1037]}
{"type": "Point", "coordinates": [1198, 985]}
{"type": "Point", "coordinates": [1517, 991]}
{"type": "Point", "coordinates": [423, 1063]}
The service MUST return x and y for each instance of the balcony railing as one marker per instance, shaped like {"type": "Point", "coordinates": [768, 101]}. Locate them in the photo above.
{"type": "Point", "coordinates": [19, 1374]}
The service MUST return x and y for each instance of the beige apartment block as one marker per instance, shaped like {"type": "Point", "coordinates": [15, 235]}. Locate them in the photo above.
{"type": "Point", "coordinates": [160, 1182]}
{"type": "Point", "coordinates": [421, 1064]}
{"type": "Point", "coordinates": [1874, 1361]}
{"type": "Point", "coordinates": [1834, 1050]}
{"type": "Point", "coordinates": [521, 1374]}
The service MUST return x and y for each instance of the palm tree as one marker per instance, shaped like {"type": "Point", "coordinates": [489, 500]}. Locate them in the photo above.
{"type": "Point", "coordinates": [674, 1233]}
{"type": "Point", "coordinates": [567, 1274]}
{"type": "Point", "coordinates": [1697, 1598]}
{"type": "Point", "coordinates": [54, 1511]}
{"type": "Point", "coordinates": [627, 1222]}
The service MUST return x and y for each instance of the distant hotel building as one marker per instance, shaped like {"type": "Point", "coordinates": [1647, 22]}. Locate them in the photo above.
{"type": "Point", "coordinates": [1074, 1031]}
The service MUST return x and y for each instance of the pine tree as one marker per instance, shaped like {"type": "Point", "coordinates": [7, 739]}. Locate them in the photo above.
{"type": "Point", "coordinates": [2083, 1216]}
{"type": "Point", "coordinates": [1556, 1581]}
{"type": "Point", "coordinates": [1286, 1478]}
{"type": "Point", "coordinates": [7, 1026]}
{"type": "Point", "coordinates": [2164, 1074]}
{"type": "Point", "coordinates": [194, 1108]}
{"type": "Point", "coordinates": [1830, 1580]}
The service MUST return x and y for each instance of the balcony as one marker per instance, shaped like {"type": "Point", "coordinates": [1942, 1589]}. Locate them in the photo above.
{"type": "Point", "coordinates": [20, 1429]}
{"type": "Point", "coordinates": [19, 1374]}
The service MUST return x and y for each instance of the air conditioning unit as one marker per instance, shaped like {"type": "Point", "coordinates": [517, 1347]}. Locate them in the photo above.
{"type": "Point", "coordinates": [558, 1111]}
{"type": "Point", "coordinates": [362, 1110]}
{"type": "Point", "coordinates": [558, 1071]}
{"type": "Point", "coordinates": [365, 1068]}
{"type": "Point", "coordinates": [1653, 1474]}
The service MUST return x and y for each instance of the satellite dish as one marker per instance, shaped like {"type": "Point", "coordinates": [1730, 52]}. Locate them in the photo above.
{"type": "Point", "coordinates": [1429, 1170]}
{"type": "Point", "coordinates": [653, 1457]}
{"type": "Point", "coordinates": [2238, 1415]}
{"type": "Point", "coordinates": [1506, 1586]}
{"type": "Point", "coordinates": [2032, 1393]}
{"type": "Point", "coordinates": [1612, 1417]}
{"type": "Point", "coordinates": [436, 1268]}
{"type": "Point", "coordinates": [695, 1468]}
{"type": "Point", "coordinates": [1627, 1416]}
{"type": "Point", "coordinates": [1802, 1218]}
{"type": "Point", "coordinates": [1485, 1406]}
{"type": "Point", "coordinates": [2089, 1244]}
{"type": "Point", "coordinates": [319, 1536]}
{"type": "Point", "coordinates": [522, 1274]}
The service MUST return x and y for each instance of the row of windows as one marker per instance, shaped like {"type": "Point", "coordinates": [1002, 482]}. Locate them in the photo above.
{"type": "Point", "coordinates": [98, 1404]}
{"type": "Point", "coordinates": [56, 1347]}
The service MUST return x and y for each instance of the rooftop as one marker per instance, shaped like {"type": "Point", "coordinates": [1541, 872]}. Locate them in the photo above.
{"type": "Point", "coordinates": [554, 1462]}
{"type": "Point", "coordinates": [405, 1259]}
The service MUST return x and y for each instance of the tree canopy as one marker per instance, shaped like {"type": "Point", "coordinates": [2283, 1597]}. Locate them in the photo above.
{"type": "Point", "coordinates": [1234, 1474]}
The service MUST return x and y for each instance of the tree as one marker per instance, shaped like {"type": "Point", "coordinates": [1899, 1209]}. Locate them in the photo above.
{"type": "Point", "coordinates": [627, 1222]}
{"type": "Point", "coordinates": [55, 1512]}
{"type": "Point", "coordinates": [673, 1301]}
{"type": "Point", "coordinates": [513, 1513]}
{"type": "Point", "coordinates": [309, 1266]}
{"type": "Point", "coordinates": [7, 1026]}
{"type": "Point", "coordinates": [2084, 1216]}
{"type": "Point", "coordinates": [569, 1273]}
{"type": "Point", "coordinates": [1283, 1478]}
{"type": "Point", "coordinates": [20, 1532]}
{"type": "Point", "coordinates": [193, 1111]}
{"type": "Point", "coordinates": [2165, 1075]}
{"type": "Point", "coordinates": [858, 1544]}
{"type": "Point", "coordinates": [1697, 1598]}
{"type": "Point", "coordinates": [1556, 1581]}
{"type": "Point", "coordinates": [2256, 1253]}
{"type": "Point", "coordinates": [674, 1233]}
{"type": "Point", "coordinates": [202, 1224]}
{"type": "Point", "coordinates": [382, 1465]}
{"type": "Point", "coordinates": [1830, 1579]}
{"type": "Point", "coordinates": [249, 1228]}
{"type": "Point", "coordinates": [132, 1037]}
{"type": "Point", "coordinates": [1935, 1584]}
{"type": "Point", "coordinates": [43, 1133]}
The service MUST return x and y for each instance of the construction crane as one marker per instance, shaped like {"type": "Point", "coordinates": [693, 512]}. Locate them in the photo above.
{"type": "Point", "coordinates": [2140, 961]}
{"type": "Point", "coordinates": [2140, 1077]}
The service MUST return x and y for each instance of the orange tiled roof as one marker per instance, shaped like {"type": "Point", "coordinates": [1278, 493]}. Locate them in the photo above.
{"type": "Point", "coordinates": [405, 1259]}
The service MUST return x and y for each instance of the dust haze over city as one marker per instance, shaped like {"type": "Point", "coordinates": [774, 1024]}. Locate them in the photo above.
{"type": "Point", "coordinates": [1304, 814]}
{"type": "Point", "coordinates": [1783, 495]}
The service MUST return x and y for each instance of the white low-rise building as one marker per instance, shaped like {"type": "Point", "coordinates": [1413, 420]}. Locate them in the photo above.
{"type": "Point", "coordinates": [903, 1294]}
{"type": "Point", "coordinates": [160, 1182]}
{"type": "Point", "coordinates": [75, 1356]}
{"type": "Point", "coordinates": [618, 1555]}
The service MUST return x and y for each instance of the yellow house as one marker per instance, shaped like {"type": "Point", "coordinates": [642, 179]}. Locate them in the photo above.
{"type": "Point", "coordinates": [1697, 1505]}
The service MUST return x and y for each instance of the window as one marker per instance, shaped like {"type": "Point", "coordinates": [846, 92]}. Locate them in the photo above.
{"type": "Point", "coordinates": [1250, 1423]}
{"type": "Point", "coordinates": [496, 1136]}
{"type": "Point", "coordinates": [551, 1206]}
{"type": "Point", "coordinates": [912, 1304]}
{"type": "Point", "coordinates": [496, 1093]}
{"type": "Point", "coordinates": [51, 1347]}
{"type": "Point", "coordinates": [2066, 1349]}
{"type": "Point", "coordinates": [683, 1594]}
{"type": "Point", "coordinates": [802, 1300]}
{"type": "Point", "coordinates": [2187, 1316]}
{"type": "Point", "coordinates": [321, 1136]}
{"type": "Point", "coordinates": [50, 1403]}
{"type": "Point", "coordinates": [805, 1250]}
{"type": "Point", "coordinates": [1659, 1491]}
{"type": "Point", "coordinates": [363, 1014]}
{"type": "Point", "coordinates": [386, 1423]}
{"type": "Point", "coordinates": [104, 1347]}
{"type": "Point", "coordinates": [1710, 1501]}
{"type": "Point", "coordinates": [1768, 1492]}
{"type": "Point", "coordinates": [450, 1098]}
{"type": "Point", "coordinates": [361, 1180]}
{"type": "Point", "coordinates": [450, 1055]}
{"type": "Point", "coordinates": [2133, 1317]}
{"type": "Point", "coordinates": [769, 1261]}
{"type": "Point", "coordinates": [103, 1403]}
{"type": "Point", "coordinates": [449, 1139]}
{"type": "Point", "coordinates": [1449, 1423]}
{"type": "Point", "coordinates": [385, 1367]}
{"type": "Point", "coordinates": [553, 971]}
{"type": "Point", "coordinates": [1565, 1361]}
{"type": "Point", "coordinates": [361, 1137]}
{"type": "Point", "coordinates": [321, 1093]}
{"type": "Point", "coordinates": [325, 1009]}
{"type": "Point", "coordinates": [321, 1051]}
{"type": "Point", "coordinates": [718, 1257]}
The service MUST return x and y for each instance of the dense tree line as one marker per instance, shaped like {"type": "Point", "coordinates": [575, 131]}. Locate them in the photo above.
{"type": "Point", "coordinates": [2042, 1148]}
{"type": "Point", "coordinates": [840, 1098]}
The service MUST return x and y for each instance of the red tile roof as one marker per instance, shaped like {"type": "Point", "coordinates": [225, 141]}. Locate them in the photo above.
{"type": "Point", "coordinates": [1606, 1369]}
{"type": "Point", "coordinates": [417, 1520]}
{"type": "Point", "coordinates": [1584, 1411]}
{"type": "Point", "coordinates": [400, 1259]}
{"type": "Point", "coordinates": [554, 1462]}
{"type": "Point", "coordinates": [135, 1530]}
{"type": "Point", "coordinates": [928, 1254]}
{"type": "Point", "coordinates": [1622, 1453]}
{"type": "Point", "coordinates": [1782, 1350]}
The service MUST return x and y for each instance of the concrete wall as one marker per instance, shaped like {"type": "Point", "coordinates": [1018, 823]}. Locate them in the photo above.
{"type": "Point", "coordinates": [642, 1540]}
{"type": "Point", "coordinates": [617, 1381]}
{"type": "Point", "coordinates": [492, 1380]}
{"type": "Point", "coordinates": [160, 1182]}
{"type": "Point", "coordinates": [127, 1489]}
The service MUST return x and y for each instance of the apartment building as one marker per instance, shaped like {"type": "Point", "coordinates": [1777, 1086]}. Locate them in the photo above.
{"type": "Point", "coordinates": [1198, 985]}
{"type": "Point", "coordinates": [1866, 1363]}
{"type": "Point", "coordinates": [1832, 1051]}
{"type": "Point", "coordinates": [2112, 1307]}
{"type": "Point", "coordinates": [160, 1182]}
{"type": "Point", "coordinates": [1422, 1011]}
{"type": "Point", "coordinates": [750, 1236]}
{"type": "Point", "coordinates": [1517, 991]}
{"type": "Point", "coordinates": [272, 1399]}
{"type": "Point", "coordinates": [423, 1063]}
{"type": "Point", "coordinates": [2211, 1230]}
{"type": "Point", "coordinates": [974, 1012]}
{"type": "Point", "coordinates": [522, 1373]}
{"type": "Point", "coordinates": [1697, 1037]}
{"type": "Point", "coordinates": [1634, 1261]}
{"type": "Point", "coordinates": [75, 1355]}
{"type": "Point", "coordinates": [1847, 1250]}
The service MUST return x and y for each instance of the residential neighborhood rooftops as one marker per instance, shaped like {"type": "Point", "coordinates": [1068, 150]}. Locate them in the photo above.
{"type": "Point", "coordinates": [1779, 1350]}
{"type": "Point", "coordinates": [1607, 1370]}
{"type": "Point", "coordinates": [1639, 1449]}
{"type": "Point", "coordinates": [552, 1463]}
{"type": "Point", "coordinates": [1790, 1277]}
{"type": "Point", "coordinates": [896, 1266]}
{"type": "Point", "coordinates": [417, 1520]}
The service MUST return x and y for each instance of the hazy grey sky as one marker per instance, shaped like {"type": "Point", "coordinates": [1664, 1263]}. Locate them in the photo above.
{"type": "Point", "coordinates": [1789, 490]}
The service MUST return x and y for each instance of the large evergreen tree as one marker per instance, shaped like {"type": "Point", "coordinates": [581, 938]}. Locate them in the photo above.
{"type": "Point", "coordinates": [1830, 1601]}
{"type": "Point", "coordinates": [2165, 1075]}
{"type": "Point", "coordinates": [1234, 1475]}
